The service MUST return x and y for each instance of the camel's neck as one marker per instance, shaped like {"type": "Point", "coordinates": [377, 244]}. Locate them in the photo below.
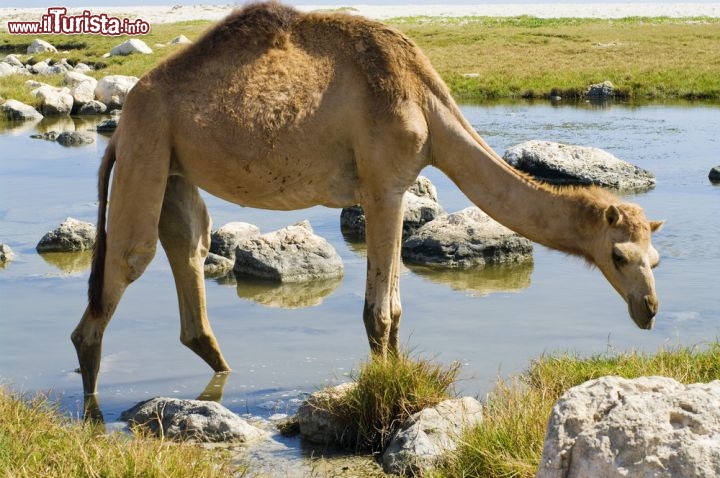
{"type": "Point", "coordinates": [559, 221]}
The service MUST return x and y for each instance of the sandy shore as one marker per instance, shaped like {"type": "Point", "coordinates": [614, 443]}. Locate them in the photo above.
{"type": "Point", "coordinates": [168, 14]}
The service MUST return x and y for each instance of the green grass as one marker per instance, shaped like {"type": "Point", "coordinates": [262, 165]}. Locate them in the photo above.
{"type": "Point", "coordinates": [509, 441]}
{"type": "Point", "coordinates": [388, 392]}
{"type": "Point", "coordinates": [518, 57]}
{"type": "Point", "coordinates": [37, 441]}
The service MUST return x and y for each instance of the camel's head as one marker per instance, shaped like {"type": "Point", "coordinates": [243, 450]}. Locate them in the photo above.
{"type": "Point", "coordinates": [625, 255]}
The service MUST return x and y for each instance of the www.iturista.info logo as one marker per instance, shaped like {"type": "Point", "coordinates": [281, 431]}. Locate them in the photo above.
{"type": "Point", "coordinates": [59, 22]}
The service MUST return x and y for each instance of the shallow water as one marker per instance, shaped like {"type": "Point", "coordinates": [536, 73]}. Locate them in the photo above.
{"type": "Point", "coordinates": [494, 321]}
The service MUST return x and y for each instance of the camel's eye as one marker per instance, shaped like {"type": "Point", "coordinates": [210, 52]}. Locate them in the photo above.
{"type": "Point", "coordinates": [618, 258]}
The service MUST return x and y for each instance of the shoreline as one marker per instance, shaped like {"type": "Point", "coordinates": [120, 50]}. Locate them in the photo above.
{"type": "Point", "coordinates": [180, 13]}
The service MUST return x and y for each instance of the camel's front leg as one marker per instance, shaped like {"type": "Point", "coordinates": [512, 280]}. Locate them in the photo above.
{"type": "Point", "coordinates": [185, 236]}
{"type": "Point", "coordinates": [383, 233]}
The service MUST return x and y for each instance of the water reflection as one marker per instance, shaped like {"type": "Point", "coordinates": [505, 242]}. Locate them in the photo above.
{"type": "Point", "coordinates": [69, 262]}
{"type": "Point", "coordinates": [480, 282]}
{"type": "Point", "coordinates": [287, 295]}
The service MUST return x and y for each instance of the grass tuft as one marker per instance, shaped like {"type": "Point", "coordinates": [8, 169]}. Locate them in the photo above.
{"type": "Point", "coordinates": [389, 391]}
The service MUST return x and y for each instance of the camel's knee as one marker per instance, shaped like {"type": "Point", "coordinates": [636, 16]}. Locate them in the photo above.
{"type": "Point", "coordinates": [378, 323]}
{"type": "Point", "coordinates": [136, 262]}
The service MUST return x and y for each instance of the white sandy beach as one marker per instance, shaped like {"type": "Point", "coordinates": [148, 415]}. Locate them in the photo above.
{"type": "Point", "coordinates": [168, 14]}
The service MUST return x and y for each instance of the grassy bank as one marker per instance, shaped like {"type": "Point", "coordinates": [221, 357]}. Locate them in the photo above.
{"type": "Point", "coordinates": [36, 441]}
{"type": "Point", "coordinates": [509, 441]}
{"type": "Point", "coordinates": [493, 58]}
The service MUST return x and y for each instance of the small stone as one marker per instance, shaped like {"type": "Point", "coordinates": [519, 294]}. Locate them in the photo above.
{"type": "Point", "coordinates": [6, 254]}
{"type": "Point", "coordinates": [317, 422]}
{"type": "Point", "coordinates": [429, 434]}
{"type": "Point", "coordinates": [714, 174]}
{"type": "Point", "coordinates": [217, 266]}
{"type": "Point", "coordinates": [73, 138]}
{"type": "Point", "coordinates": [72, 235]}
{"type": "Point", "coordinates": [93, 107]}
{"type": "Point", "coordinates": [180, 40]}
{"type": "Point", "coordinates": [107, 126]}
{"type": "Point", "coordinates": [601, 91]}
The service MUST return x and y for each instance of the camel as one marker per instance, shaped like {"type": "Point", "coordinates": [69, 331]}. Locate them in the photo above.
{"type": "Point", "coordinates": [277, 109]}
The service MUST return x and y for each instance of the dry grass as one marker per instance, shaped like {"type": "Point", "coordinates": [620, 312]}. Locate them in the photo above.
{"type": "Point", "coordinates": [37, 441]}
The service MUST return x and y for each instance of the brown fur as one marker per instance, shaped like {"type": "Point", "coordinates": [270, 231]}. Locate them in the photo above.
{"type": "Point", "coordinates": [277, 109]}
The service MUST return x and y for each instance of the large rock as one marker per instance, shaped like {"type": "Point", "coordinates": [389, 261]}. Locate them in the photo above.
{"type": "Point", "coordinates": [420, 205]}
{"type": "Point", "coordinates": [134, 45]}
{"type": "Point", "coordinates": [82, 87]}
{"type": "Point", "coordinates": [72, 235]}
{"type": "Point", "coordinates": [651, 426]}
{"type": "Point", "coordinates": [54, 101]}
{"type": "Point", "coordinates": [467, 238]}
{"type": "Point", "coordinates": [197, 420]}
{"type": "Point", "coordinates": [17, 111]}
{"type": "Point", "coordinates": [225, 239]}
{"type": "Point", "coordinates": [291, 254]}
{"type": "Point", "coordinates": [6, 254]}
{"type": "Point", "coordinates": [317, 422]}
{"type": "Point", "coordinates": [714, 174]}
{"type": "Point", "coordinates": [113, 89]}
{"type": "Point", "coordinates": [426, 436]}
{"type": "Point", "coordinates": [40, 46]}
{"type": "Point", "coordinates": [567, 164]}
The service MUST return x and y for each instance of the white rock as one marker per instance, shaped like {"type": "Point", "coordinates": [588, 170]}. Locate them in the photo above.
{"type": "Point", "coordinates": [14, 61]}
{"type": "Point", "coordinates": [558, 163]}
{"type": "Point", "coordinates": [7, 69]}
{"type": "Point", "coordinates": [318, 425]}
{"type": "Point", "coordinates": [82, 87]}
{"type": "Point", "coordinates": [113, 89]}
{"type": "Point", "coordinates": [426, 436]}
{"type": "Point", "coordinates": [225, 239]}
{"type": "Point", "coordinates": [81, 68]}
{"type": "Point", "coordinates": [40, 46]}
{"type": "Point", "coordinates": [54, 101]}
{"type": "Point", "coordinates": [6, 254]}
{"type": "Point", "coordinates": [72, 235]}
{"type": "Point", "coordinates": [134, 45]}
{"type": "Point", "coordinates": [614, 427]}
{"type": "Point", "coordinates": [180, 40]}
{"type": "Point", "coordinates": [467, 238]}
{"type": "Point", "coordinates": [16, 111]}
{"type": "Point", "coordinates": [197, 420]}
{"type": "Point", "coordinates": [291, 254]}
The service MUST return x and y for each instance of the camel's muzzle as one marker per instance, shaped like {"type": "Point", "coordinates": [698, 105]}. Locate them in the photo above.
{"type": "Point", "coordinates": [643, 310]}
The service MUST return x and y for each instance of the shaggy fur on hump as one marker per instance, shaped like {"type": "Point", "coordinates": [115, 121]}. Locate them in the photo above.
{"type": "Point", "coordinates": [394, 67]}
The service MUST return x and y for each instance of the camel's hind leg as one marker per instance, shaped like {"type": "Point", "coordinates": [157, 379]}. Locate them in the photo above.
{"type": "Point", "coordinates": [383, 233]}
{"type": "Point", "coordinates": [122, 254]}
{"type": "Point", "coordinates": [185, 236]}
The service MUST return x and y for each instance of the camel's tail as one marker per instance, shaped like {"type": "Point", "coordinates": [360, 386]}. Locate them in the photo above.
{"type": "Point", "coordinates": [97, 272]}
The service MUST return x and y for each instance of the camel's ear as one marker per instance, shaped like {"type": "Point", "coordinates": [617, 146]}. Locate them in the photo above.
{"type": "Point", "coordinates": [613, 216]}
{"type": "Point", "coordinates": [656, 225]}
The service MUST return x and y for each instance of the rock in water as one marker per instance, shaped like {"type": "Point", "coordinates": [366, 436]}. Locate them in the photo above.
{"type": "Point", "coordinates": [557, 163]}
{"type": "Point", "coordinates": [17, 111]}
{"type": "Point", "coordinates": [714, 174]}
{"type": "Point", "coordinates": [72, 235]}
{"type": "Point", "coordinates": [225, 239]}
{"type": "Point", "coordinates": [467, 238]}
{"type": "Point", "coordinates": [6, 254]}
{"type": "Point", "coordinates": [319, 425]}
{"type": "Point", "coordinates": [614, 427]}
{"type": "Point", "coordinates": [291, 254]}
{"type": "Point", "coordinates": [420, 205]}
{"type": "Point", "coordinates": [429, 434]}
{"type": "Point", "coordinates": [197, 420]}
